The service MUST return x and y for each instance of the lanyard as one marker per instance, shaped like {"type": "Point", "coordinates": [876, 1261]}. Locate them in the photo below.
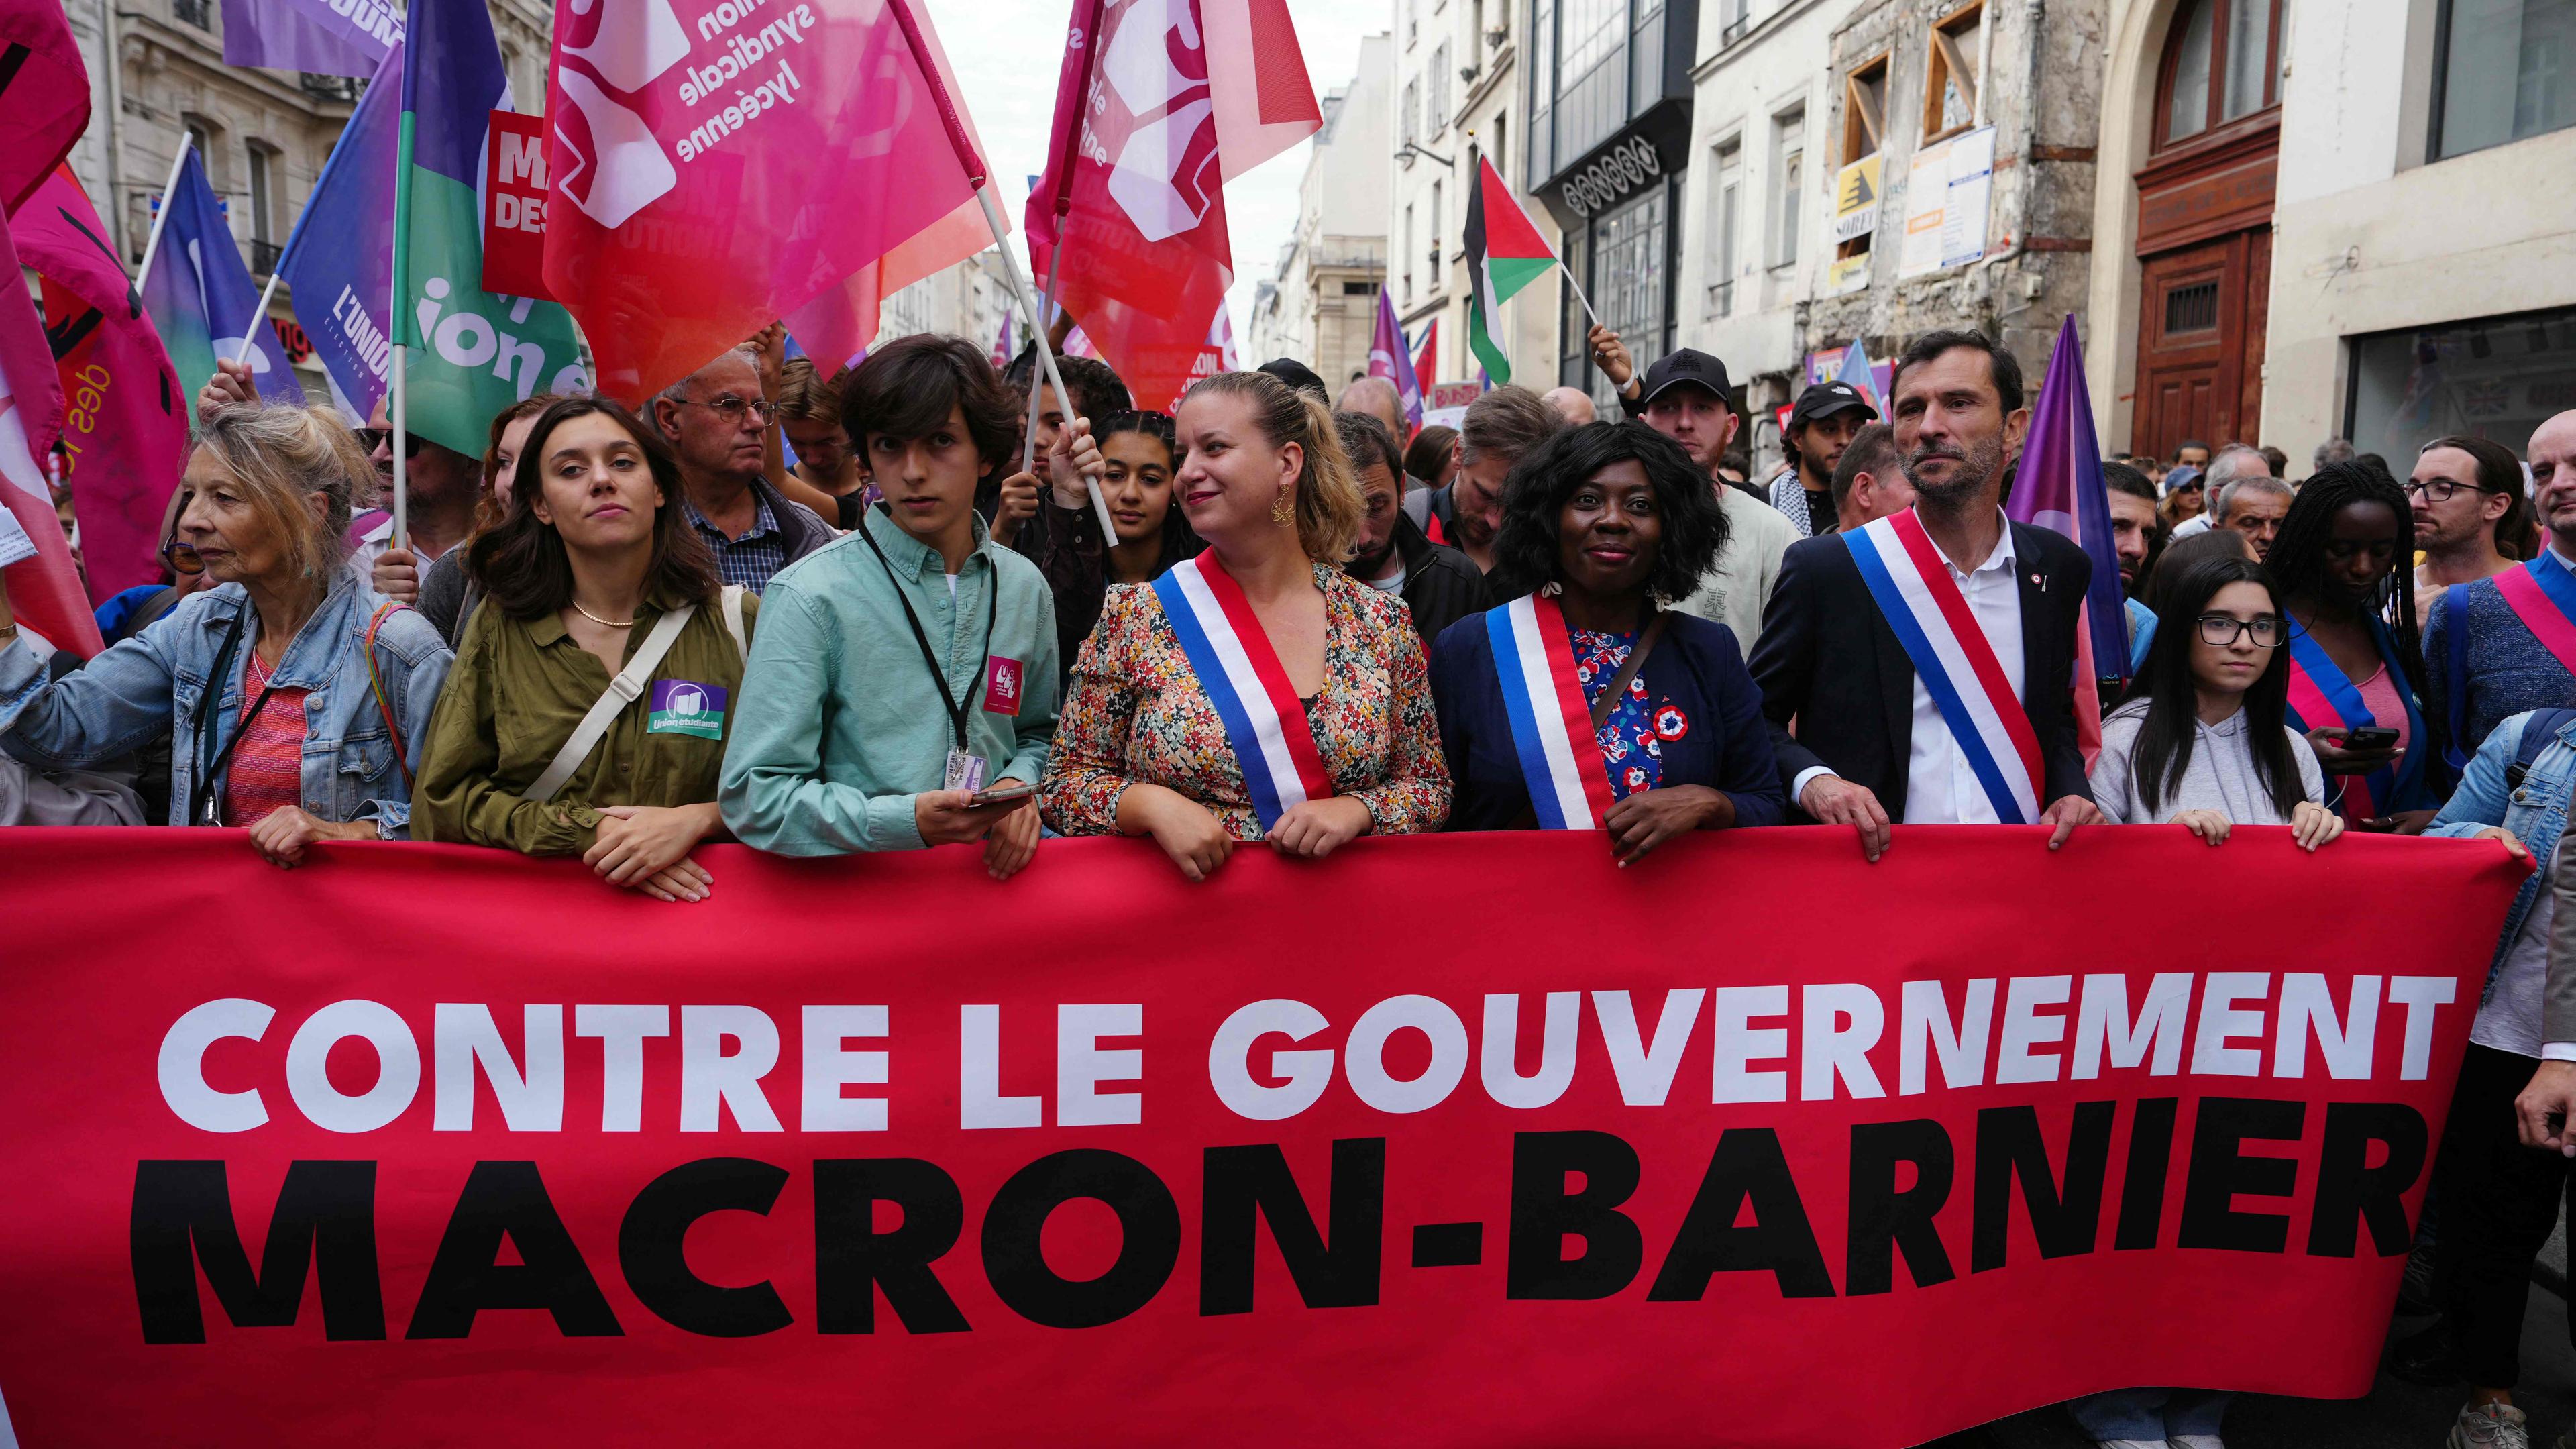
{"type": "Point", "coordinates": [205, 800]}
{"type": "Point", "coordinates": [956, 711]}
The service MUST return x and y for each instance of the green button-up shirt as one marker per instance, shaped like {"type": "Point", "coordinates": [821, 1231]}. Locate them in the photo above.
{"type": "Point", "coordinates": [843, 725]}
{"type": "Point", "coordinates": [519, 687]}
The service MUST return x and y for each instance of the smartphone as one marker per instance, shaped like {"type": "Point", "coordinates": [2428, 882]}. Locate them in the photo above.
{"type": "Point", "coordinates": [1002, 794]}
{"type": "Point", "coordinates": [2374, 737]}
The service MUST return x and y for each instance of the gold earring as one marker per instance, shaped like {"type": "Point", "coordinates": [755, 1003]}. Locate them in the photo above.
{"type": "Point", "coordinates": [1280, 513]}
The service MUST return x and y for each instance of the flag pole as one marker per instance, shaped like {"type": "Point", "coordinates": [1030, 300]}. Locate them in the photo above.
{"type": "Point", "coordinates": [161, 218]}
{"type": "Point", "coordinates": [975, 177]}
{"type": "Point", "coordinates": [258, 315]}
{"type": "Point", "coordinates": [1037, 330]}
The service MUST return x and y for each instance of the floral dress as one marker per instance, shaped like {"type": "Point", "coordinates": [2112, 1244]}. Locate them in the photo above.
{"type": "Point", "coordinates": [1633, 738]}
{"type": "Point", "coordinates": [1136, 714]}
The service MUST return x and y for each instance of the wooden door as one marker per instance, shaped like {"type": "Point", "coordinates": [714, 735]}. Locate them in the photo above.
{"type": "Point", "coordinates": [2200, 343]}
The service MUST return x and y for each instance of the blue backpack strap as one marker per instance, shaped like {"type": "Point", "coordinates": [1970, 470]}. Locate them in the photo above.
{"type": "Point", "coordinates": [2455, 679]}
{"type": "Point", "coordinates": [2539, 731]}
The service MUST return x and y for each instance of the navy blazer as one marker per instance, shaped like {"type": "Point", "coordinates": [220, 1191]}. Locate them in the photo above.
{"type": "Point", "coordinates": [1828, 660]}
{"type": "Point", "coordinates": [1696, 666]}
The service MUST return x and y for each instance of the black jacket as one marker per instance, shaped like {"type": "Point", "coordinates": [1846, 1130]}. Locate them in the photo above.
{"type": "Point", "coordinates": [1441, 585]}
{"type": "Point", "coordinates": [1828, 660]}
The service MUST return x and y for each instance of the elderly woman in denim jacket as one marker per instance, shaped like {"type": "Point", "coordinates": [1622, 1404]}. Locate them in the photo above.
{"type": "Point", "coordinates": [295, 695]}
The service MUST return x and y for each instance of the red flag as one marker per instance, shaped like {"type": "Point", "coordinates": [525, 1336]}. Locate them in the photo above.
{"type": "Point", "coordinates": [1159, 102]}
{"type": "Point", "coordinates": [714, 174]}
{"type": "Point", "coordinates": [125, 429]}
{"type": "Point", "coordinates": [45, 589]}
{"type": "Point", "coordinates": [44, 94]}
{"type": "Point", "coordinates": [1426, 361]}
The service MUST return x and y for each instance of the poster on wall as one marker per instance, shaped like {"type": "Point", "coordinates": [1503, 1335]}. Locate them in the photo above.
{"type": "Point", "coordinates": [1947, 189]}
{"type": "Point", "coordinates": [1965, 201]}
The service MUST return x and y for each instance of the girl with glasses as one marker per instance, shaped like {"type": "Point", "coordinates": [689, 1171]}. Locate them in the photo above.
{"type": "Point", "coordinates": [2203, 740]}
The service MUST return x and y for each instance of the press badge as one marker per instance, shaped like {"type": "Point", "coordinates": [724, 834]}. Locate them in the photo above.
{"type": "Point", "coordinates": [686, 707]}
{"type": "Point", "coordinates": [965, 772]}
{"type": "Point", "coordinates": [1001, 686]}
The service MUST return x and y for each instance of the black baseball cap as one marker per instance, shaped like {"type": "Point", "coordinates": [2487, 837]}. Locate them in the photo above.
{"type": "Point", "coordinates": [1687, 365]}
{"type": "Point", "coordinates": [1297, 375]}
{"type": "Point", "coordinates": [1824, 399]}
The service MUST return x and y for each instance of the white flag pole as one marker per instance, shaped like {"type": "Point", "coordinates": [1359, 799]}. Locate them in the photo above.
{"type": "Point", "coordinates": [1029, 437]}
{"type": "Point", "coordinates": [1046, 354]}
{"type": "Point", "coordinates": [257, 317]}
{"type": "Point", "coordinates": [161, 217]}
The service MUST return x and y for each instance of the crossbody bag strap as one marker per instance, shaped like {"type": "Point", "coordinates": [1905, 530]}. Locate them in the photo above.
{"type": "Point", "coordinates": [622, 691]}
{"type": "Point", "coordinates": [376, 686]}
{"type": "Point", "coordinates": [733, 619]}
{"type": "Point", "coordinates": [1619, 682]}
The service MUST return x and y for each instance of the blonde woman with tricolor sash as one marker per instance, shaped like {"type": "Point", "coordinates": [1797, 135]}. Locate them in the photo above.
{"type": "Point", "coordinates": [1585, 703]}
{"type": "Point", "coordinates": [1255, 692]}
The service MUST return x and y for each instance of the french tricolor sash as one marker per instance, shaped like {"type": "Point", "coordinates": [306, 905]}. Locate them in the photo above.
{"type": "Point", "coordinates": [2322, 695]}
{"type": "Point", "coordinates": [2542, 594]}
{"type": "Point", "coordinates": [1569, 780]}
{"type": "Point", "coordinates": [1244, 679]}
{"type": "Point", "coordinates": [1921, 602]}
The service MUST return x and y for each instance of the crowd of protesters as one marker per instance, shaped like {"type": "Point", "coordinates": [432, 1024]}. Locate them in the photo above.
{"type": "Point", "coordinates": [921, 603]}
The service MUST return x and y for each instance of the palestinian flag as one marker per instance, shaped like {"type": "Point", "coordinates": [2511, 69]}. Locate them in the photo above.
{"type": "Point", "coordinates": [1504, 254]}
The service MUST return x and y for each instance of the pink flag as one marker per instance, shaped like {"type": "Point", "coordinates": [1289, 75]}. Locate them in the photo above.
{"type": "Point", "coordinates": [713, 174]}
{"type": "Point", "coordinates": [45, 589]}
{"type": "Point", "coordinates": [44, 94]}
{"type": "Point", "coordinates": [125, 434]}
{"type": "Point", "coordinates": [1159, 103]}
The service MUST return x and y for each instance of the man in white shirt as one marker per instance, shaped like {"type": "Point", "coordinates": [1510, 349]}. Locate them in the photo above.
{"type": "Point", "coordinates": [1829, 660]}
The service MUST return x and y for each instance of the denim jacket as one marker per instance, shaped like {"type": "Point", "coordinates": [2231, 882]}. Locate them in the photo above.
{"type": "Point", "coordinates": [2535, 811]}
{"type": "Point", "coordinates": [150, 685]}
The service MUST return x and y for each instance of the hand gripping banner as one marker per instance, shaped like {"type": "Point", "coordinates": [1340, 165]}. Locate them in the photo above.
{"type": "Point", "coordinates": [433, 1145]}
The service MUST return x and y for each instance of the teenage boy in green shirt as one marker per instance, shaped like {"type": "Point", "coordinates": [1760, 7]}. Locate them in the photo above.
{"type": "Point", "coordinates": [910, 663]}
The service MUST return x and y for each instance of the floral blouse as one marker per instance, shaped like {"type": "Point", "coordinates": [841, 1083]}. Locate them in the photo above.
{"type": "Point", "coordinates": [1135, 714]}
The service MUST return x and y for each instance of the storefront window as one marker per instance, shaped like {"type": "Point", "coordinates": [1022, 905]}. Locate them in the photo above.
{"type": "Point", "coordinates": [2508, 71]}
{"type": "Point", "coordinates": [2499, 378]}
{"type": "Point", "coordinates": [1629, 250]}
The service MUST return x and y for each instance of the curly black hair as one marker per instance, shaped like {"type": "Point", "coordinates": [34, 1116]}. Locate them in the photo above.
{"type": "Point", "coordinates": [1526, 553]}
{"type": "Point", "coordinates": [2298, 557]}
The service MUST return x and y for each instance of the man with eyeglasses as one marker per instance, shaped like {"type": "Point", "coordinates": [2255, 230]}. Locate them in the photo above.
{"type": "Point", "coordinates": [2501, 641]}
{"type": "Point", "coordinates": [716, 421]}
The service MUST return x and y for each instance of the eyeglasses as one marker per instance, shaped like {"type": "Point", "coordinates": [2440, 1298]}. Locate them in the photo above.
{"type": "Point", "coordinates": [373, 438]}
{"type": "Point", "coordinates": [2223, 630]}
{"type": "Point", "coordinates": [731, 408]}
{"type": "Point", "coordinates": [182, 559]}
{"type": "Point", "coordinates": [2439, 490]}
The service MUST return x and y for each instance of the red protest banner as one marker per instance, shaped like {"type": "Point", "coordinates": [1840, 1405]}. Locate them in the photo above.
{"type": "Point", "coordinates": [514, 207]}
{"type": "Point", "coordinates": [440, 1145]}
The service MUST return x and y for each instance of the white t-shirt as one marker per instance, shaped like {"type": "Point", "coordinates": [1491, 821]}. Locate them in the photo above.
{"type": "Point", "coordinates": [2509, 1019]}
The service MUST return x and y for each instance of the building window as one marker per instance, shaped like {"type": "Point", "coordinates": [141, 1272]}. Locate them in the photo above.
{"type": "Point", "coordinates": [1411, 121]}
{"type": "Point", "coordinates": [1440, 88]}
{"type": "Point", "coordinates": [2496, 377]}
{"type": "Point", "coordinates": [1725, 226]}
{"type": "Point", "coordinates": [1788, 184]}
{"type": "Point", "coordinates": [199, 13]}
{"type": "Point", "coordinates": [264, 178]}
{"type": "Point", "coordinates": [1865, 110]}
{"type": "Point", "coordinates": [2507, 70]}
{"type": "Point", "coordinates": [2223, 64]}
{"type": "Point", "coordinates": [1411, 28]}
{"type": "Point", "coordinates": [1408, 256]}
{"type": "Point", "coordinates": [1628, 253]}
{"type": "Point", "coordinates": [1439, 232]}
{"type": "Point", "coordinates": [1359, 289]}
{"type": "Point", "coordinates": [1501, 166]}
{"type": "Point", "coordinates": [1950, 75]}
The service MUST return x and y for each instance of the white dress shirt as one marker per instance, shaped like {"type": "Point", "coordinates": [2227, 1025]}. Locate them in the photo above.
{"type": "Point", "coordinates": [1940, 788]}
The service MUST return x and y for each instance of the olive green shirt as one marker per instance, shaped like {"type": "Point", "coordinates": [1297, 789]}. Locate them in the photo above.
{"type": "Point", "coordinates": [518, 688]}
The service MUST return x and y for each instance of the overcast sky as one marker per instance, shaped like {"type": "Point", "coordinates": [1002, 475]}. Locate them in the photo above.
{"type": "Point", "coordinates": [1006, 53]}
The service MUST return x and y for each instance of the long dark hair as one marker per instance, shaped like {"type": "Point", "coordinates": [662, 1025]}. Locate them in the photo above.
{"type": "Point", "coordinates": [1180, 541]}
{"type": "Point", "coordinates": [521, 563]}
{"type": "Point", "coordinates": [2298, 556]}
{"type": "Point", "coordinates": [2172, 698]}
{"type": "Point", "coordinates": [488, 509]}
{"type": "Point", "coordinates": [1525, 551]}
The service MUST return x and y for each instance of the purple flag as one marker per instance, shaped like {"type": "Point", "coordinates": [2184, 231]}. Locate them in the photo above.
{"type": "Point", "coordinates": [2058, 485]}
{"type": "Point", "coordinates": [326, 37]}
{"type": "Point", "coordinates": [1389, 358]}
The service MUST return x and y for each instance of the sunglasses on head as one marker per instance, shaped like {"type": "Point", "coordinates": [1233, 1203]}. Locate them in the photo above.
{"type": "Point", "coordinates": [374, 438]}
